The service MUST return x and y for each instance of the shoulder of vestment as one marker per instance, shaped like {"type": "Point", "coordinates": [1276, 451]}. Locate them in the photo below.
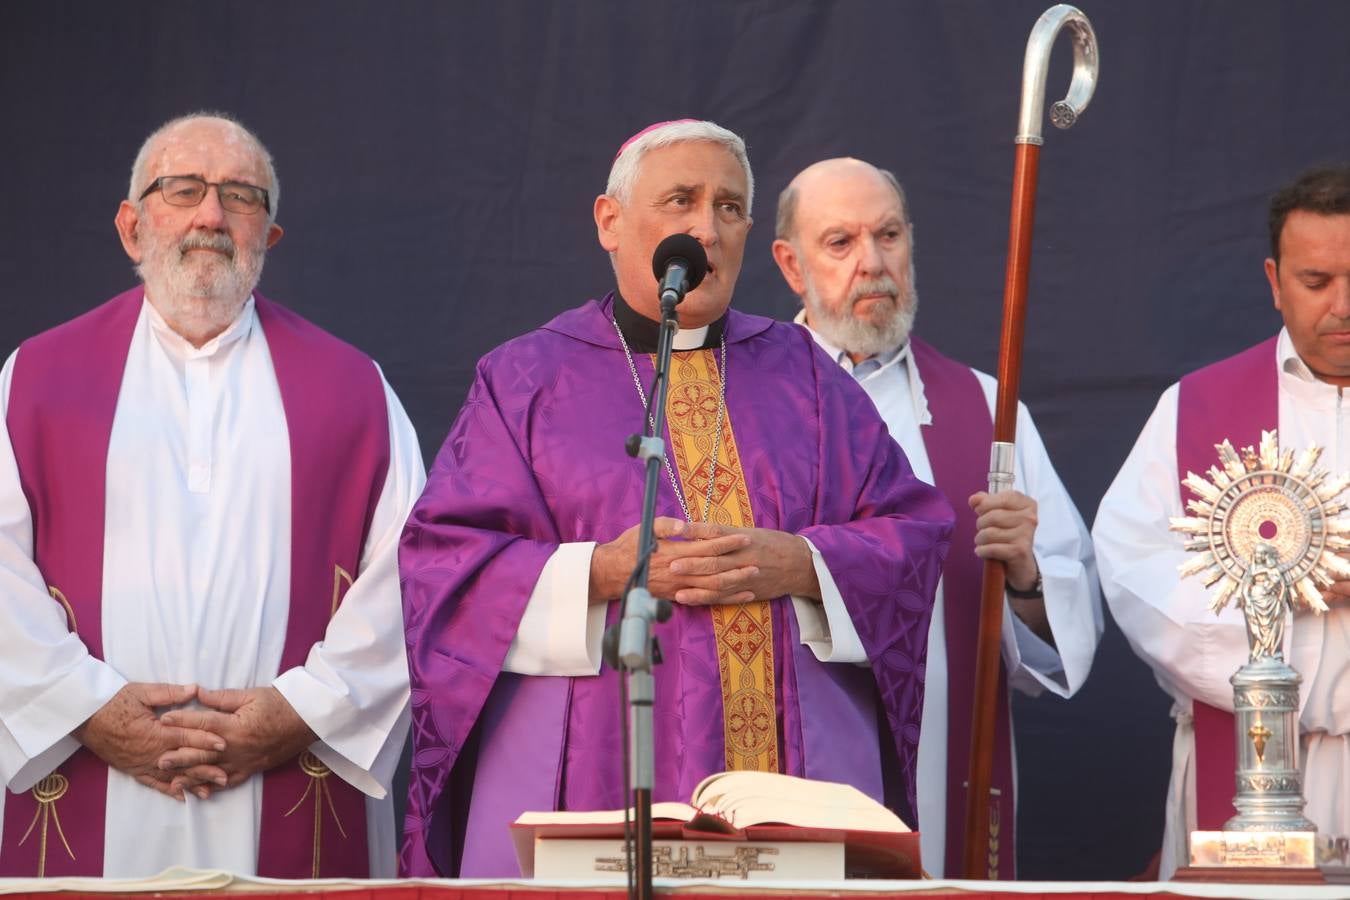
{"type": "Point", "coordinates": [97, 319]}
{"type": "Point", "coordinates": [1255, 356]}
{"type": "Point", "coordinates": [299, 326]}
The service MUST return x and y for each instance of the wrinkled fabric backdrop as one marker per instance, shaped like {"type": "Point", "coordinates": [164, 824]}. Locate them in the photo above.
{"type": "Point", "coordinates": [438, 163]}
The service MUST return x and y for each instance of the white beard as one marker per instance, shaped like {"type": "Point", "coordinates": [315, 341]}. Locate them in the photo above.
{"type": "Point", "coordinates": [199, 293]}
{"type": "Point", "coordinates": [869, 336]}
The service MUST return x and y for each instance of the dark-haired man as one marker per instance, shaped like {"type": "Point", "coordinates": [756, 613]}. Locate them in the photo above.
{"type": "Point", "coordinates": [1294, 380]}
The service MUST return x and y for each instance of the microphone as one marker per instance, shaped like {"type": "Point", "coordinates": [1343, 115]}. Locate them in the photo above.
{"type": "Point", "coordinates": [679, 265]}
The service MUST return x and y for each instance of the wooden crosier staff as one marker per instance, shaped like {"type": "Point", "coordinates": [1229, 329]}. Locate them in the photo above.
{"type": "Point", "coordinates": [1063, 114]}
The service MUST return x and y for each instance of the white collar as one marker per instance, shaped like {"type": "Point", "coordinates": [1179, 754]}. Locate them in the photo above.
{"type": "Point", "coordinates": [1298, 380]}
{"type": "Point", "coordinates": [1289, 361]}
{"type": "Point", "coordinates": [689, 338]}
{"type": "Point", "coordinates": [182, 347]}
{"type": "Point", "coordinates": [899, 357]}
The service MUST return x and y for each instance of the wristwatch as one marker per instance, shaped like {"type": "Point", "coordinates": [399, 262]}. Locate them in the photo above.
{"type": "Point", "coordinates": [1035, 592]}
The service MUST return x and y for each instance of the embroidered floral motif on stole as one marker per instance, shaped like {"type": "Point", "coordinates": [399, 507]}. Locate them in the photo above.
{"type": "Point", "coordinates": [745, 632]}
{"type": "Point", "coordinates": [314, 767]}
{"type": "Point", "coordinates": [46, 792]}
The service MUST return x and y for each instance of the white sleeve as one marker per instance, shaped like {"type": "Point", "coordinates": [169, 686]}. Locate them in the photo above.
{"type": "Point", "coordinates": [1063, 548]}
{"type": "Point", "coordinates": [353, 688]}
{"type": "Point", "coordinates": [560, 634]}
{"type": "Point", "coordinates": [826, 627]}
{"type": "Point", "coordinates": [560, 631]}
{"type": "Point", "coordinates": [1167, 620]}
{"type": "Point", "coordinates": [49, 683]}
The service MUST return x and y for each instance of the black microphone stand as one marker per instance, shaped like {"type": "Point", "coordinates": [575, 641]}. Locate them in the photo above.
{"type": "Point", "coordinates": [637, 648]}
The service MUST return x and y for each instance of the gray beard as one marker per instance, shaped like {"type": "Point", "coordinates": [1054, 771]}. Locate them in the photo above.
{"type": "Point", "coordinates": [863, 337]}
{"type": "Point", "coordinates": [199, 295]}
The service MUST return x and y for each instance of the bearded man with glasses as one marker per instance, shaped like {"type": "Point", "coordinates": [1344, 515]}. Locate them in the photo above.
{"type": "Point", "coordinates": [201, 496]}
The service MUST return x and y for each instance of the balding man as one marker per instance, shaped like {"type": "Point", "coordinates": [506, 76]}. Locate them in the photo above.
{"type": "Point", "coordinates": [845, 244]}
{"type": "Point", "coordinates": [200, 500]}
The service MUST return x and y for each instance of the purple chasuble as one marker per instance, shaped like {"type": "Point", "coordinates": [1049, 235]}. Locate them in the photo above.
{"type": "Point", "coordinates": [63, 399]}
{"type": "Point", "coordinates": [535, 459]}
{"type": "Point", "coordinates": [1206, 415]}
{"type": "Point", "coordinates": [958, 442]}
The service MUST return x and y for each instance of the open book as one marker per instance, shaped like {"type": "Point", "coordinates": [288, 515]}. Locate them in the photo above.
{"type": "Point", "coordinates": [752, 806]}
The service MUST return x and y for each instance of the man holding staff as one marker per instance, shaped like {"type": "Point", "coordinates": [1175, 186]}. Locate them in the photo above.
{"type": "Point", "coordinates": [845, 245]}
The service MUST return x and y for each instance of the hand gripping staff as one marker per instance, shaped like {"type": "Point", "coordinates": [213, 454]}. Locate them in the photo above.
{"type": "Point", "coordinates": [1028, 141]}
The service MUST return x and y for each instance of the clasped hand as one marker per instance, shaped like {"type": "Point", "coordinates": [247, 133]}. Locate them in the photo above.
{"type": "Point", "coordinates": [235, 735]}
{"type": "Point", "coordinates": [701, 564]}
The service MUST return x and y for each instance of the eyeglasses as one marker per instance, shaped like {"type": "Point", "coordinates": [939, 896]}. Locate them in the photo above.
{"type": "Point", "coordinates": [189, 190]}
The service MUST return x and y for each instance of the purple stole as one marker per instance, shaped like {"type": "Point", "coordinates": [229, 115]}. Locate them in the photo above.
{"type": "Point", "coordinates": [63, 399]}
{"type": "Point", "coordinates": [958, 443]}
{"type": "Point", "coordinates": [1206, 414]}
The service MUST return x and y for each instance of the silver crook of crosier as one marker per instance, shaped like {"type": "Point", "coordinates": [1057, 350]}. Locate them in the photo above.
{"type": "Point", "coordinates": [1034, 70]}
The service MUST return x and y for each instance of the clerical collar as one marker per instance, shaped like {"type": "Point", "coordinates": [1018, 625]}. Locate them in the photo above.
{"type": "Point", "coordinates": [642, 333]}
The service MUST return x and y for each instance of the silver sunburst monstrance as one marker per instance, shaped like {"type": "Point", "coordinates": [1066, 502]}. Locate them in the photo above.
{"type": "Point", "coordinates": [1266, 497]}
{"type": "Point", "coordinates": [1267, 528]}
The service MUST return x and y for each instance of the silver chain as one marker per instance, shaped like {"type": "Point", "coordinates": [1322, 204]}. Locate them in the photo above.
{"type": "Point", "coordinates": [651, 420]}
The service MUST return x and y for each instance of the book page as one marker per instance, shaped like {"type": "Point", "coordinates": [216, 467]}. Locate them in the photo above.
{"type": "Point", "coordinates": [752, 798]}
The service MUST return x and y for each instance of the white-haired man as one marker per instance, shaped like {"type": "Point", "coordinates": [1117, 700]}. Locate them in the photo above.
{"type": "Point", "coordinates": [845, 245]}
{"type": "Point", "coordinates": [202, 495]}
{"type": "Point", "coordinates": [799, 549]}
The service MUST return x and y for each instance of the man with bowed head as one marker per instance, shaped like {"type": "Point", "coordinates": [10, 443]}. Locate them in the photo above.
{"type": "Point", "coordinates": [202, 495]}
{"type": "Point", "coordinates": [799, 549]}
{"type": "Point", "coordinates": [1295, 381]}
{"type": "Point", "coordinates": [845, 245]}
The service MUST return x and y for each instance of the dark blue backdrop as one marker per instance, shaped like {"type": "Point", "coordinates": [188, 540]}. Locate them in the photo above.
{"type": "Point", "coordinates": [439, 161]}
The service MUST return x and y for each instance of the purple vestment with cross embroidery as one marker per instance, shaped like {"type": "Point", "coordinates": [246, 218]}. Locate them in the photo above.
{"type": "Point", "coordinates": [536, 459]}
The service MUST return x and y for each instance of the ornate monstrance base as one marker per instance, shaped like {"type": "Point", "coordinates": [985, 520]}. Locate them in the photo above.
{"type": "Point", "coordinates": [1260, 857]}
{"type": "Point", "coordinates": [1254, 849]}
{"type": "Point", "coordinates": [1269, 785]}
{"type": "Point", "coordinates": [1269, 839]}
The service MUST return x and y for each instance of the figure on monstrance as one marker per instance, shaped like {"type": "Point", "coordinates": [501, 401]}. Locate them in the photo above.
{"type": "Point", "coordinates": [1264, 598]}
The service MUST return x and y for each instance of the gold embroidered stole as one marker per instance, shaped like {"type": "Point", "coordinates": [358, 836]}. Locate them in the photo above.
{"type": "Point", "coordinates": [744, 632]}
{"type": "Point", "coordinates": [54, 786]}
